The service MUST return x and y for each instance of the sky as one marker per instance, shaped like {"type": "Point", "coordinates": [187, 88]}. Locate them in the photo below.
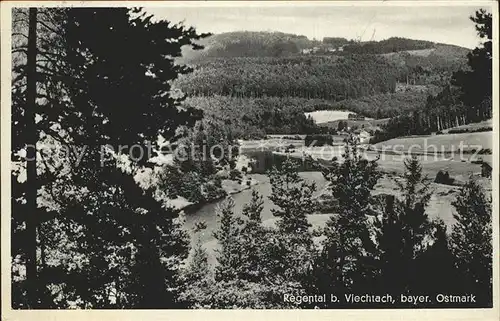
{"type": "Point", "coordinates": [446, 24]}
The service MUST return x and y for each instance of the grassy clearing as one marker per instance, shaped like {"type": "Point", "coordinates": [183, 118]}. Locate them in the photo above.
{"type": "Point", "coordinates": [324, 116]}
{"type": "Point", "coordinates": [439, 143]}
{"type": "Point", "coordinates": [368, 124]}
{"type": "Point", "coordinates": [472, 127]}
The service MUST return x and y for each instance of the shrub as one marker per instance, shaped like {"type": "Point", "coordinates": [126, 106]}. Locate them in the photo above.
{"type": "Point", "coordinates": [296, 137]}
{"type": "Point", "coordinates": [235, 174]}
{"type": "Point", "coordinates": [469, 130]}
{"type": "Point", "coordinates": [318, 140]}
{"type": "Point", "coordinates": [443, 177]}
{"type": "Point", "coordinates": [211, 192]}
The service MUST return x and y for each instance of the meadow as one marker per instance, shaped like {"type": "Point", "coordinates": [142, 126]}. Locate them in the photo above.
{"type": "Point", "coordinates": [439, 143]}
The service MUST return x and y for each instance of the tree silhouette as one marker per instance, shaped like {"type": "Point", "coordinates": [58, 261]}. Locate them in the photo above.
{"type": "Point", "coordinates": [346, 261]}
{"type": "Point", "coordinates": [471, 241]}
{"type": "Point", "coordinates": [81, 236]}
{"type": "Point", "coordinates": [476, 84]}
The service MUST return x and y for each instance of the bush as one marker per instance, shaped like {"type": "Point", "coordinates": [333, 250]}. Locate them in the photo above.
{"type": "Point", "coordinates": [190, 187]}
{"type": "Point", "coordinates": [296, 137]}
{"type": "Point", "coordinates": [318, 140]}
{"type": "Point", "coordinates": [211, 192]}
{"type": "Point", "coordinates": [469, 130]}
{"type": "Point", "coordinates": [235, 174]}
{"type": "Point", "coordinates": [443, 177]}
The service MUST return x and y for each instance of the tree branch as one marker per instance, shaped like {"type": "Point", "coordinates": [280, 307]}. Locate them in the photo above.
{"type": "Point", "coordinates": [50, 188]}
{"type": "Point", "coordinates": [46, 26]}
{"type": "Point", "coordinates": [19, 34]}
{"type": "Point", "coordinates": [23, 50]}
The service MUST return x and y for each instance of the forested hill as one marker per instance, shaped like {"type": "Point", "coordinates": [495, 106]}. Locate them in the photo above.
{"type": "Point", "coordinates": [254, 70]}
{"type": "Point", "coordinates": [250, 44]}
{"type": "Point", "coordinates": [279, 44]}
{"type": "Point", "coordinates": [397, 44]}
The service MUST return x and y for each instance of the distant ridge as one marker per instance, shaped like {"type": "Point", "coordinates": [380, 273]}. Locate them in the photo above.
{"type": "Point", "coordinates": [280, 44]}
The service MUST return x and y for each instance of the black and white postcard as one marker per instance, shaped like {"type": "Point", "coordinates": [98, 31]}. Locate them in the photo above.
{"type": "Point", "coordinates": [276, 160]}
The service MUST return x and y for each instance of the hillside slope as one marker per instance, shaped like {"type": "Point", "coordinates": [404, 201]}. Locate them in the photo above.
{"type": "Point", "coordinates": [263, 82]}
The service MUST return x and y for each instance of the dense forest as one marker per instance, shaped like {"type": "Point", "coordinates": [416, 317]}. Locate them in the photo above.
{"type": "Point", "coordinates": [394, 44]}
{"type": "Point", "coordinates": [252, 44]}
{"type": "Point", "coordinates": [327, 77]}
{"type": "Point", "coordinates": [367, 82]}
{"type": "Point", "coordinates": [384, 105]}
{"type": "Point", "coordinates": [466, 99]}
{"type": "Point", "coordinates": [256, 117]}
{"type": "Point", "coordinates": [309, 77]}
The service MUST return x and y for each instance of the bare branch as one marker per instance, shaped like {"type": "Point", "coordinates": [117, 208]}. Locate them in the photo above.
{"type": "Point", "coordinates": [23, 50]}
{"type": "Point", "coordinates": [19, 20]}
{"type": "Point", "coordinates": [19, 34]}
{"type": "Point", "coordinates": [46, 26]}
{"type": "Point", "coordinates": [50, 187]}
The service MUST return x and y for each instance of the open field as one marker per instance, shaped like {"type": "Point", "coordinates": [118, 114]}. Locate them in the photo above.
{"type": "Point", "coordinates": [439, 143]}
{"type": "Point", "coordinates": [473, 126]}
{"type": "Point", "coordinates": [325, 116]}
{"type": "Point", "coordinates": [368, 124]}
{"type": "Point", "coordinates": [272, 144]}
{"type": "Point", "coordinates": [419, 52]}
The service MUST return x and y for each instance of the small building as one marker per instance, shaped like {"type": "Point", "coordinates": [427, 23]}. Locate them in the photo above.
{"type": "Point", "coordinates": [486, 170]}
{"type": "Point", "coordinates": [363, 136]}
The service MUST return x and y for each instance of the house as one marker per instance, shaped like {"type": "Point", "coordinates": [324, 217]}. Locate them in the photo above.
{"type": "Point", "coordinates": [486, 169]}
{"type": "Point", "coordinates": [363, 135]}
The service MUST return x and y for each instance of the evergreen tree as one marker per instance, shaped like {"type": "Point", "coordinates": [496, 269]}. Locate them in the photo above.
{"type": "Point", "coordinates": [346, 261]}
{"type": "Point", "coordinates": [197, 277]}
{"type": "Point", "coordinates": [435, 270]}
{"type": "Point", "coordinates": [80, 73]}
{"type": "Point", "coordinates": [255, 265]}
{"type": "Point", "coordinates": [471, 241]}
{"type": "Point", "coordinates": [404, 231]}
{"type": "Point", "coordinates": [291, 247]}
{"type": "Point", "coordinates": [35, 46]}
{"type": "Point", "coordinates": [227, 234]}
{"type": "Point", "coordinates": [476, 84]}
{"type": "Point", "coordinates": [254, 236]}
{"type": "Point", "coordinates": [293, 197]}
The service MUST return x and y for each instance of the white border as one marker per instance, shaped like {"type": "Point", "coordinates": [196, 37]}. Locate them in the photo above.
{"type": "Point", "coordinates": [151, 315]}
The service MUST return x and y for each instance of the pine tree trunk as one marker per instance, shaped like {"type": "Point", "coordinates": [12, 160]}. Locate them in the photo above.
{"type": "Point", "coordinates": [31, 179]}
